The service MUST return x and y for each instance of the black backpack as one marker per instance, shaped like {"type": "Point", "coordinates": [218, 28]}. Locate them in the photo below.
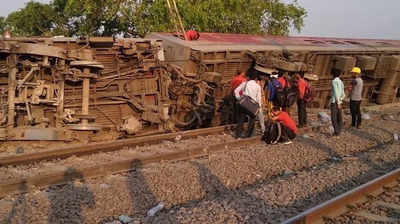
{"type": "Point", "coordinates": [285, 97]}
{"type": "Point", "coordinates": [308, 93]}
{"type": "Point", "coordinates": [273, 132]}
{"type": "Point", "coordinates": [291, 96]}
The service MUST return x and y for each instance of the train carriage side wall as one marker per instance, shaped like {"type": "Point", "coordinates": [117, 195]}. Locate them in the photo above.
{"type": "Point", "coordinates": [379, 64]}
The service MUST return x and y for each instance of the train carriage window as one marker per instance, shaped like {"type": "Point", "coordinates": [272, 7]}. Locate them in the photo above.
{"type": "Point", "coordinates": [335, 42]}
{"type": "Point", "coordinates": [315, 41]}
{"type": "Point", "coordinates": [353, 42]}
{"type": "Point", "coordinates": [384, 43]}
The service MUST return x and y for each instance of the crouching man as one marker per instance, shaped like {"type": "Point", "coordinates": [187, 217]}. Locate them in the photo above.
{"type": "Point", "coordinates": [289, 129]}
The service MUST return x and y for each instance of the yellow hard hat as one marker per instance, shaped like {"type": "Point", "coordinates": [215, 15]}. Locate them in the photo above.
{"type": "Point", "coordinates": [356, 70]}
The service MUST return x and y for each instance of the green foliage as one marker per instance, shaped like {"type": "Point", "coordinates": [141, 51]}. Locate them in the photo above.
{"type": "Point", "coordinates": [3, 25]}
{"type": "Point", "coordinates": [33, 20]}
{"type": "Point", "coordinates": [224, 16]}
{"type": "Point", "coordinates": [132, 17]}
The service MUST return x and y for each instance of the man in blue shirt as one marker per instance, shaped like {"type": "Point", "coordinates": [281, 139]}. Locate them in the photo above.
{"type": "Point", "coordinates": [337, 97]}
{"type": "Point", "coordinates": [273, 85]}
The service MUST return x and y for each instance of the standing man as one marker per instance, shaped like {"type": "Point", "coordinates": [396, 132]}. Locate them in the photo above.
{"type": "Point", "coordinates": [273, 86]}
{"type": "Point", "coordinates": [301, 103]}
{"type": "Point", "coordinates": [260, 114]}
{"type": "Point", "coordinates": [356, 97]}
{"type": "Point", "coordinates": [337, 97]}
{"type": "Point", "coordinates": [252, 90]}
{"type": "Point", "coordinates": [281, 79]}
{"type": "Point", "coordinates": [236, 81]}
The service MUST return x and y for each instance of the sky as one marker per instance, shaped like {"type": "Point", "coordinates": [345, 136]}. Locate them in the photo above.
{"type": "Point", "coordinates": [327, 18]}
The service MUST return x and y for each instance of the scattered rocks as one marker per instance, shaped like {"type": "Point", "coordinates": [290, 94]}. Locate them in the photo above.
{"type": "Point", "coordinates": [125, 219]}
{"type": "Point", "coordinates": [324, 117]}
{"type": "Point", "coordinates": [365, 116]}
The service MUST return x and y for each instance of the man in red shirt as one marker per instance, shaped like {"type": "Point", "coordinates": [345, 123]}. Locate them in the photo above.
{"type": "Point", "coordinates": [289, 129]}
{"type": "Point", "coordinates": [281, 79]}
{"type": "Point", "coordinates": [301, 103]}
{"type": "Point", "coordinates": [236, 81]}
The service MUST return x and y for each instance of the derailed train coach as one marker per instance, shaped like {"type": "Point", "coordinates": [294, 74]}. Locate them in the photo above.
{"type": "Point", "coordinates": [225, 54]}
{"type": "Point", "coordinates": [91, 89]}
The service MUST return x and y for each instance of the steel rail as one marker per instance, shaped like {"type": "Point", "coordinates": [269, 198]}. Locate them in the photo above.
{"type": "Point", "coordinates": [85, 149]}
{"type": "Point", "coordinates": [339, 205]}
{"type": "Point", "coordinates": [22, 185]}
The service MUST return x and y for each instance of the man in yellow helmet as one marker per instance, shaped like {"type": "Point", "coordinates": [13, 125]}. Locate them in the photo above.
{"type": "Point", "coordinates": [356, 97]}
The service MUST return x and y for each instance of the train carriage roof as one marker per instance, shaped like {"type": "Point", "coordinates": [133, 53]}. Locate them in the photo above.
{"type": "Point", "coordinates": [226, 41]}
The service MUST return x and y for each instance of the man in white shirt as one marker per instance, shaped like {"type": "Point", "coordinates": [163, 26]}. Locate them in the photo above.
{"type": "Point", "coordinates": [253, 90]}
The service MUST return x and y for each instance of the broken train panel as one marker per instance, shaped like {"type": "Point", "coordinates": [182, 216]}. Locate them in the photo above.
{"type": "Point", "coordinates": [66, 88]}
{"type": "Point", "coordinates": [225, 54]}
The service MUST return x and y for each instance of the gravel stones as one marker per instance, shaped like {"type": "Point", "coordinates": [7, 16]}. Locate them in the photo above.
{"type": "Point", "coordinates": [251, 184]}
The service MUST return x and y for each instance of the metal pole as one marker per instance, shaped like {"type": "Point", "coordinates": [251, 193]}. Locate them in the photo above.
{"type": "Point", "coordinates": [12, 62]}
{"type": "Point", "coordinates": [85, 96]}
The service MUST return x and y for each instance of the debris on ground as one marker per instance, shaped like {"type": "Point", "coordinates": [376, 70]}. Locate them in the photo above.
{"type": "Point", "coordinates": [324, 117]}
{"type": "Point", "coordinates": [125, 219]}
{"type": "Point", "coordinates": [155, 209]}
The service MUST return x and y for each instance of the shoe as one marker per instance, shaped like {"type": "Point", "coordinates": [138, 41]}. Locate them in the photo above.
{"type": "Point", "coordinates": [287, 142]}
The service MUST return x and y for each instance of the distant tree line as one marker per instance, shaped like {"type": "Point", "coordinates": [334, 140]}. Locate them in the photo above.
{"type": "Point", "coordinates": [139, 17]}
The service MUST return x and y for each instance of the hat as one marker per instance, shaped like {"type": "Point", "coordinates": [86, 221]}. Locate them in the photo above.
{"type": "Point", "coordinates": [356, 70]}
{"type": "Point", "coordinates": [274, 76]}
{"type": "Point", "coordinates": [263, 69]}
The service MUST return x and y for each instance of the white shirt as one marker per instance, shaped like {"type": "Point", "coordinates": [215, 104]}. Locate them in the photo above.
{"type": "Point", "coordinates": [253, 90]}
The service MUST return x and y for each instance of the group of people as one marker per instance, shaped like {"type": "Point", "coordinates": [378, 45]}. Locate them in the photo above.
{"type": "Point", "coordinates": [248, 84]}
{"type": "Point", "coordinates": [337, 97]}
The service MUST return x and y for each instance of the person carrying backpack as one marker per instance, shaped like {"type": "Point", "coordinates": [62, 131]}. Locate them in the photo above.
{"type": "Point", "coordinates": [301, 102]}
{"type": "Point", "coordinates": [273, 86]}
{"type": "Point", "coordinates": [252, 90]}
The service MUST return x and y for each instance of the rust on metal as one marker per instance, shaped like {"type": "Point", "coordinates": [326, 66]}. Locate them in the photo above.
{"type": "Point", "coordinates": [338, 205]}
{"type": "Point", "coordinates": [85, 149]}
{"type": "Point", "coordinates": [104, 88]}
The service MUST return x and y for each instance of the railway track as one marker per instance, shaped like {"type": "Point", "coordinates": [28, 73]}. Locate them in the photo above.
{"type": "Point", "coordinates": [59, 177]}
{"type": "Point", "coordinates": [86, 149]}
{"type": "Point", "coordinates": [367, 203]}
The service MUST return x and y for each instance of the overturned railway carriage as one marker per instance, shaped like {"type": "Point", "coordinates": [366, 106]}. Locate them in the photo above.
{"type": "Point", "coordinates": [225, 54]}
{"type": "Point", "coordinates": [82, 89]}
{"type": "Point", "coordinates": [105, 88]}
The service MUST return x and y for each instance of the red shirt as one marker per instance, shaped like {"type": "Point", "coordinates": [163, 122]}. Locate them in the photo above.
{"type": "Point", "coordinates": [237, 81]}
{"type": "Point", "coordinates": [192, 35]}
{"type": "Point", "coordinates": [285, 119]}
{"type": "Point", "coordinates": [302, 87]}
{"type": "Point", "coordinates": [282, 81]}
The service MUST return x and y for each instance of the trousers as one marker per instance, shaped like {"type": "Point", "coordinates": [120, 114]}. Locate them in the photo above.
{"type": "Point", "coordinates": [242, 113]}
{"type": "Point", "coordinates": [355, 113]}
{"type": "Point", "coordinates": [337, 118]}
{"type": "Point", "coordinates": [287, 134]}
{"type": "Point", "coordinates": [302, 112]}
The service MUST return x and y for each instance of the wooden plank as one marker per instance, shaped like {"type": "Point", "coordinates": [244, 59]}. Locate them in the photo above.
{"type": "Point", "coordinates": [85, 149]}
{"type": "Point", "coordinates": [376, 218]}
{"type": "Point", "coordinates": [388, 205]}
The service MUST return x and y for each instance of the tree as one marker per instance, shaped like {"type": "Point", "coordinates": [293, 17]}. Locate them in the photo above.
{"type": "Point", "coordinates": [139, 17]}
{"type": "Point", "coordinates": [33, 20]}
{"type": "Point", "coordinates": [233, 16]}
{"type": "Point", "coordinates": [3, 25]}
